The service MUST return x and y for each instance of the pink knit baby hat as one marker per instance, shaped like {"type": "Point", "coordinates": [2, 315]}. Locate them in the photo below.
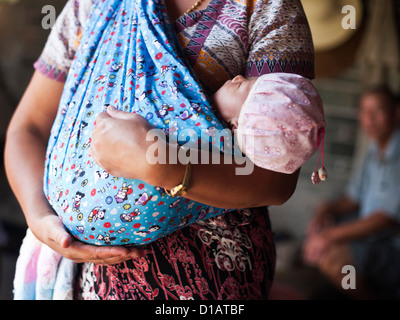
{"type": "Point", "coordinates": [281, 124]}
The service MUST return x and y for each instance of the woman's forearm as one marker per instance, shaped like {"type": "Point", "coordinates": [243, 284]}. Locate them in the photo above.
{"type": "Point", "coordinates": [220, 184]}
{"type": "Point", "coordinates": [26, 143]}
{"type": "Point", "coordinates": [24, 163]}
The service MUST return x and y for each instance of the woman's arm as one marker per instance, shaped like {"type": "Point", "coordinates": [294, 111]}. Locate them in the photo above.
{"type": "Point", "coordinates": [26, 143]}
{"type": "Point", "coordinates": [219, 184]}
{"type": "Point", "coordinates": [124, 134]}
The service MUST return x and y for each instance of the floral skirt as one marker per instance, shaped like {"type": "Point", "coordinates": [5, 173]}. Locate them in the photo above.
{"type": "Point", "coordinates": [231, 257]}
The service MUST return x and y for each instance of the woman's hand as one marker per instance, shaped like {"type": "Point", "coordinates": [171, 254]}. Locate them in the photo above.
{"type": "Point", "coordinates": [119, 144]}
{"type": "Point", "coordinates": [50, 230]}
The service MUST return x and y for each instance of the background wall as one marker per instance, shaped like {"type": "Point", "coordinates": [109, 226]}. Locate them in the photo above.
{"type": "Point", "coordinates": [21, 41]}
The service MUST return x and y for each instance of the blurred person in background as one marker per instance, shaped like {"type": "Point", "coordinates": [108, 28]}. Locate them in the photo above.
{"type": "Point", "coordinates": [370, 240]}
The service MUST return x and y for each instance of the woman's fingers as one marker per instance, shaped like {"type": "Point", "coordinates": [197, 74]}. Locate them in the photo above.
{"type": "Point", "coordinates": [56, 237]}
{"type": "Point", "coordinates": [102, 255]}
{"type": "Point", "coordinates": [118, 114]}
{"type": "Point", "coordinates": [50, 230]}
{"type": "Point", "coordinates": [65, 241]}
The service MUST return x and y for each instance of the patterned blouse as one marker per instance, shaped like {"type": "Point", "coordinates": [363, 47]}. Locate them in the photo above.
{"type": "Point", "coordinates": [232, 256]}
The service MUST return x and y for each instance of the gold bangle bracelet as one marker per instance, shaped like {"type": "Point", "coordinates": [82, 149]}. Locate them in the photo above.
{"type": "Point", "coordinates": [181, 189]}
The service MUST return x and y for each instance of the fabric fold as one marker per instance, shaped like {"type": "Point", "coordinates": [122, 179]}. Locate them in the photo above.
{"type": "Point", "coordinates": [41, 273]}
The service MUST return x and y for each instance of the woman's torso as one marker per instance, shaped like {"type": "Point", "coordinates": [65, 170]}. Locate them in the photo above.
{"type": "Point", "coordinates": [231, 257]}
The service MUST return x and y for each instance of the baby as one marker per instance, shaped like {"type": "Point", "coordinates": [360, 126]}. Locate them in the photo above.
{"type": "Point", "coordinates": [278, 119]}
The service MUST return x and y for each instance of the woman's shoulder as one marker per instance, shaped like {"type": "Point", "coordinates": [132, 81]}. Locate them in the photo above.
{"type": "Point", "coordinates": [63, 41]}
{"type": "Point", "coordinates": [77, 11]}
{"type": "Point", "coordinates": [81, 8]}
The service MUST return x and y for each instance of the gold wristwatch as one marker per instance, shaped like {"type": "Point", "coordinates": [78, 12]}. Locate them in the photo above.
{"type": "Point", "coordinates": [181, 189]}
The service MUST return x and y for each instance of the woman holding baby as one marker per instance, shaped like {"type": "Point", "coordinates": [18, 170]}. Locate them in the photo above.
{"type": "Point", "coordinates": [231, 256]}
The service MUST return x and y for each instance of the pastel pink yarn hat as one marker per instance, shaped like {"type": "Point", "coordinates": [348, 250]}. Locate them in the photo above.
{"type": "Point", "coordinates": [282, 123]}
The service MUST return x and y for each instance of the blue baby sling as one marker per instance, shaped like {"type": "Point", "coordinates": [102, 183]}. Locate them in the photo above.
{"type": "Point", "coordinates": [129, 57]}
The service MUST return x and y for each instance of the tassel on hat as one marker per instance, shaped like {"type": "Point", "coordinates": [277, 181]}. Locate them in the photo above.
{"type": "Point", "coordinates": [320, 175]}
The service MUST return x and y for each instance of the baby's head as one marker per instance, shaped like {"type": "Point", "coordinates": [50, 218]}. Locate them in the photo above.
{"type": "Point", "coordinates": [276, 89]}
{"type": "Point", "coordinates": [278, 117]}
{"type": "Point", "coordinates": [229, 99]}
